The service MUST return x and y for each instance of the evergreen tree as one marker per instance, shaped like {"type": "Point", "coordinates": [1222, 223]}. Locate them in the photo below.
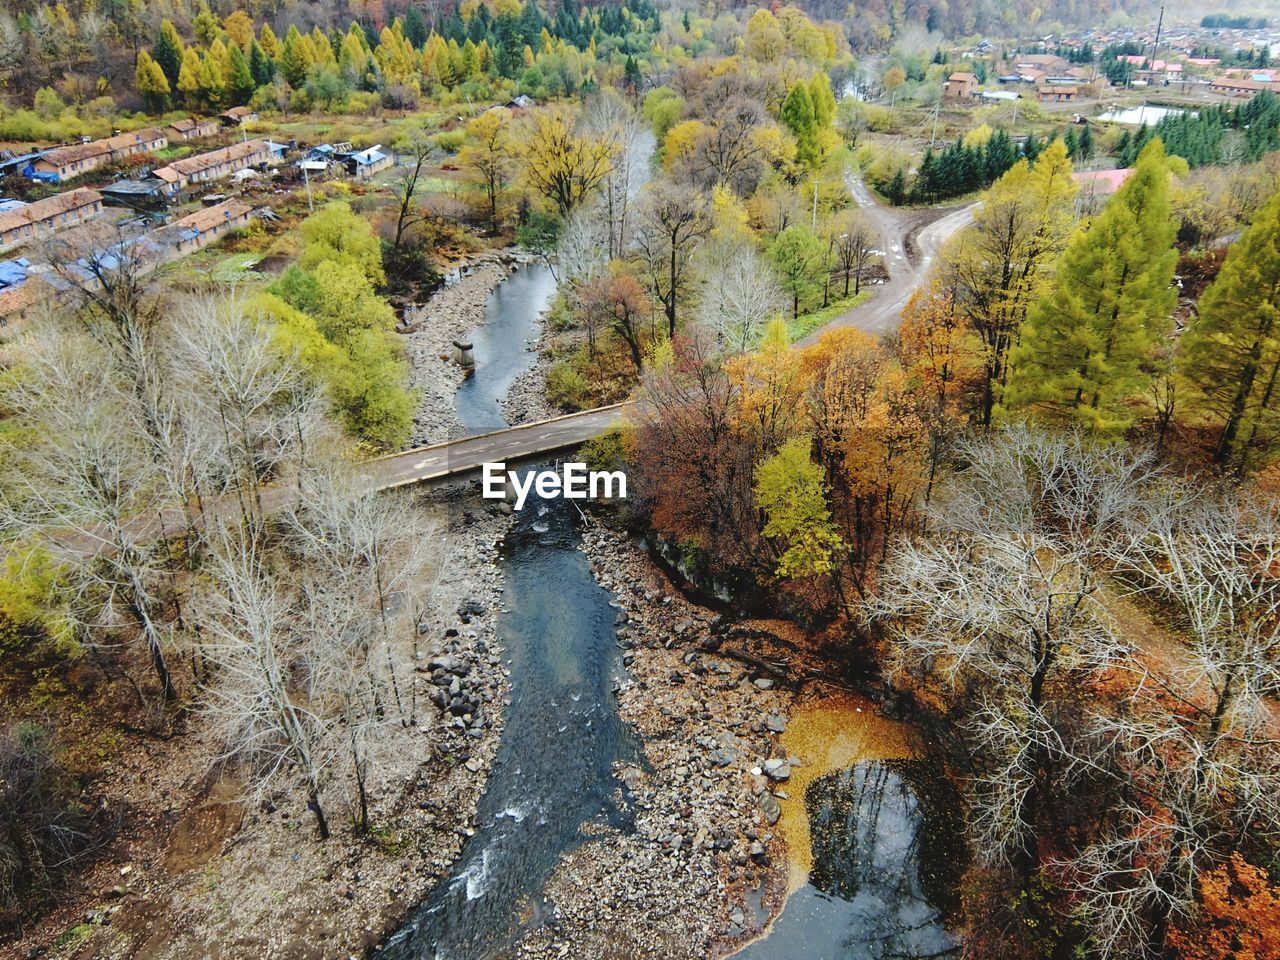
{"type": "Point", "coordinates": [1086, 346]}
{"type": "Point", "coordinates": [167, 52]}
{"type": "Point", "coordinates": [824, 101]}
{"type": "Point", "coordinates": [261, 67]}
{"type": "Point", "coordinates": [1031, 148]}
{"type": "Point", "coordinates": [1085, 145]}
{"type": "Point", "coordinates": [896, 191]}
{"type": "Point", "coordinates": [798, 115]}
{"type": "Point", "coordinates": [1230, 356]}
{"type": "Point", "coordinates": [415, 27]}
{"type": "Point", "coordinates": [1072, 145]}
{"type": "Point", "coordinates": [240, 84]}
{"type": "Point", "coordinates": [631, 74]}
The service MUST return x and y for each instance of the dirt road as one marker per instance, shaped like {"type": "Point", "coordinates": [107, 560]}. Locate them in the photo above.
{"type": "Point", "coordinates": [910, 239]}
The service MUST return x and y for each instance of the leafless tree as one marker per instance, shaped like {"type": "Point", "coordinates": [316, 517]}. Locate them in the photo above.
{"type": "Point", "coordinates": [415, 151]}
{"type": "Point", "coordinates": [609, 117]}
{"type": "Point", "coordinates": [85, 479]}
{"type": "Point", "coordinates": [582, 251]}
{"type": "Point", "coordinates": [999, 609]}
{"type": "Point", "coordinates": [730, 152]}
{"type": "Point", "coordinates": [855, 239]}
{"type": "Point", "coordinates": [738, 293]}
{"type": "Point", "coordinates": [363, 562]}
{"type": "Point", "coordinates": [259, 698]}
{"type": "Point", "coordinates": [673, 221]}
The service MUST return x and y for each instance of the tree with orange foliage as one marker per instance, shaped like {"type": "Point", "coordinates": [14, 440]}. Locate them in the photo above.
{"type": "Point", "coordinates": [618, 302]}
{"type": "Point", "coordinates": [1239, 919]}
{"type": "Point", "coordinates": [940, 351]}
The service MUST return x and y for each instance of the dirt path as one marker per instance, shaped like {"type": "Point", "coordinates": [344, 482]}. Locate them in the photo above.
{"type": "Point", "coordinates": [910, 240]}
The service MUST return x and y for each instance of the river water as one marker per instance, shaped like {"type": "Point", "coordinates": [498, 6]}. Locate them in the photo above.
{"type": "Point", "coordinates": [553, 770]}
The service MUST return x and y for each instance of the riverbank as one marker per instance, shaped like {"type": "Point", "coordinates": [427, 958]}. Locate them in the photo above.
{"type": "Point", "coordinates": [450, 314]}
{"type": "Point", "coordinates": [198, 870]}
{"type": "Point", "coordinates": [705, 865]}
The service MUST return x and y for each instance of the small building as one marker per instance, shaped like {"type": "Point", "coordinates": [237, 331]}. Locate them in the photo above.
{"type": "Point", "coordinates": [48, 216]}
{"type": "Point", "coordinates": [1236, 87]}
{"type": "Point", "coordinates": [277, 150]}
{"type": "Point", "coordinates": [64, 163]}
{"type": "Point", "coordinates": [18, 164]}
{"type": "Point", "coordinates": [999, 95]}
{"type": "Point", "coordinates": [214, 165]}
{"type": "Point", "coordinates": [366, 163]}
{"type": "Point", "coordinates": [19, 292]}
{"type": "Point", "coordinates": [1102, 181]}
{"type": "Point", "coordinates": [1057, 94]}
{"type": "Point", "coordinates": [235, 116]}
{"type": "Point", "coordinates": [135, 194]}
{"type": "Point", "coordinates": [209, 224]}
{"type": "Point", "coordinates": [960, 86]}
{"type": "Point", "coordinates": [192, 128]}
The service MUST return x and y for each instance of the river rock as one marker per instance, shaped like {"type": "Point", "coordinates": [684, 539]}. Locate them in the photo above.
{"type": "Point", "coordinates": [770, 807]}
{"type": "Point", "coordinates": [776, 769]}
{"type": "Point", "coordinates": [775, 723]}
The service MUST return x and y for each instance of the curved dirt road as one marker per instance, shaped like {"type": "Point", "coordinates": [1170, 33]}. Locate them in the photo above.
{"type": "Point", "coordinates": [910, 240]}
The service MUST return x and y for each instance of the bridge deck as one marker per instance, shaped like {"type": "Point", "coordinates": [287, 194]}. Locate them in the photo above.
{"type": "Point", "coordinates": [462, 456]}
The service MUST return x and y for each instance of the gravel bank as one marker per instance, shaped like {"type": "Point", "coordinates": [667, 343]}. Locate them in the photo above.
{"type": "Point", "coordinates": [450, 314]}
{"type": "Point", "coordinates": [703, 869]}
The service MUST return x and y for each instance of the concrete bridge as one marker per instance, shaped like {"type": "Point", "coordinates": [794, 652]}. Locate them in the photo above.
{"type": "Point", "coordinates": [453, 458]}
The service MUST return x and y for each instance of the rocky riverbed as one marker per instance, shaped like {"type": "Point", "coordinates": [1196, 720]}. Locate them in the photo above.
{"type": "Point", "coordinates": [450, 314]}
{"type": "Point", "coordinates": [705, 866]}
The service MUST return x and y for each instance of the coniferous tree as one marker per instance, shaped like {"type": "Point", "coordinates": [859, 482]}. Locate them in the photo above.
{"type": "Point", "coordinates": [261, 67]}
{"type": "Point", "coordinates": [167, 52]}
{"type": "Point", "coordinates": [1086, 346]}
{"type": "Point", "coordinates": [415, 28]}
{"type": "Point", "coordinates": [1230, 355]}
{"type": "Point", "coordinates": [798, 115]}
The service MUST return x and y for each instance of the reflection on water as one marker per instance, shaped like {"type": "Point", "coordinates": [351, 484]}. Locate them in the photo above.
{"type": "Point", "coordinates": [553, 771]}
{"type": "Point", "coordinates": [1147, 113]}
{"type": "Point", "coordinates": [886, 860]}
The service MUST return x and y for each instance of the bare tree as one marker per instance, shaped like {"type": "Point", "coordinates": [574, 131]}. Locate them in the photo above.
{"type": "Point", "coordinates": [609, 117]}
{"type": "Point", "coordinates": [582, 251]}
{"type": "Point", "coordinates": [673, 221]}
{"type": "Point", "coordinates": [258, 699]}
{"type": "Point", "coordinates": [730, 152]}
{"type": "Point", "coordinates": [738, 294]}
{"type": "Point", "coordinates": [88, 481]}
{"type": "Point", "coordinates": [415, 151]}
{"type": "Point", "coordinates": [998, 609]}
{"type": "Point", "coordinates": [855, 241]}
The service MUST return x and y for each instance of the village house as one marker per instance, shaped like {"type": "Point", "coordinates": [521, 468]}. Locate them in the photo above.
{"type": "Point", "coordinates": [67, 162]}
{"type": "Point", "coordinates": [235, 116]}
{"type": "Point", "coordinates": [192, 128]}
{"type": "Point", "coordinates": [1239, 87]}
{"type": "Point", "coordinates": [1057, 94]}
{"type": "Point", "coordinates": [19, 292]}
{"type": "Point", "coordinates": [214, 165]}
{"type": "Point", "coordinates": [960, 86]}
{"type": "Point", "coordinates": [205, 226]}
{"type": "Point", "coordinates": [366, 163]}
{"type": "Point", "coordinates": [47, 216]}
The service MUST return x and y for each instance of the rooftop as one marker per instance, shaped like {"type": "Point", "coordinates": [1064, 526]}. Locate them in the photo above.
{"type": "Point", "coordinates": [49, 207]}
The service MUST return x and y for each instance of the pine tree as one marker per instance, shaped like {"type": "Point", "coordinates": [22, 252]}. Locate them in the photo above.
{"type": "Point", "coordinates": [167, 52]}
{"type": "Point", "coordinates": [261, 67]}
{"type": "Point", "coordinates": [415, 28]}
{"type": "Point", "coordinates": [1230, 355]}
{"type": "Point", "coordinates": [189, 78]}
{"type": "Point", "coordinates": [1086, 346]}
{"type": "Point", "coordinates": [896, 191]}
{"type": "Point", "coordinates": [631, 74]}
{"type": "Point", "coordinates": [1086, 142]}
{"type": "Point", "coordinates": [824, 101]}
{"type": "Point", "coordinates": [240, 84]}
{"type": "Point", "coordinates": [798, 115]}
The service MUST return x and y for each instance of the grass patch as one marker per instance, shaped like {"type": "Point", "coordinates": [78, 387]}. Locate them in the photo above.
{"type": "Point", "coordinates": [806, 323]}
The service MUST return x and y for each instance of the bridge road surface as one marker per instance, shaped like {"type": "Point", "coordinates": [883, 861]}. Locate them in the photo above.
{"type": "Point", "coordinates": [456, 457]}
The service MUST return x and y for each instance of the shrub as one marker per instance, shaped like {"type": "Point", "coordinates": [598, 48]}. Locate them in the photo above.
{"type": "Point", "coordinates": [44, 831]}
{"type": "Point", "coordinates": [567, 388]}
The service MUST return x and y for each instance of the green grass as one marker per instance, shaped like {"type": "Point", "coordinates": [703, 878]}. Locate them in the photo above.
{"type": "Point", "coordinates": [806, 323]}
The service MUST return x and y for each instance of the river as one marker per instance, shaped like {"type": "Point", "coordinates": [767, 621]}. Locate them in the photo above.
{"type": "Point", "coordinates": [553, 770]}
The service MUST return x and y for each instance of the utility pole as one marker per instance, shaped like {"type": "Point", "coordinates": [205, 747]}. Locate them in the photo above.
{"type": "Point", "coordinates": [933, 137]}
{"type": "Point", "coordinates": [306, 178]}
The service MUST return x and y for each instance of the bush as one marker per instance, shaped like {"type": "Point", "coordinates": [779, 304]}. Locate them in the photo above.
{"type": "Point", "coordinates": [567, 388]}
{"type": "Point", "coordinates": [450, 141]}
{"type": "Point", "coordinates": [44, 832]}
